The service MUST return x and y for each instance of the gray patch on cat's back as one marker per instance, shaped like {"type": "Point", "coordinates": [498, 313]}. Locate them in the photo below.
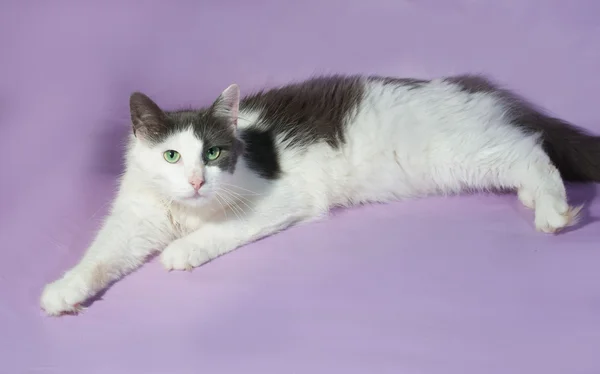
{"type": "Point", "coordinates": [311, 111]}
{"type": "Point", "coordinates": [261, 153]}
{"type": "Point", "coordinates": [473, 83]}
{"type": "Point", "coordinates": [411, 83]}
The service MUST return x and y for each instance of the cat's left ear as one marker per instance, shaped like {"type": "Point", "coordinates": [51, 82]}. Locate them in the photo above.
{"type": "Point", "coordinates": [227, 105]}
{"type": "Point", "coordinates": [148, 120]}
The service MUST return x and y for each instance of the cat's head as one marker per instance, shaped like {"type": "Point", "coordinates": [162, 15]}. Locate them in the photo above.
{"type": "Point", "coordinates": [186, 155]}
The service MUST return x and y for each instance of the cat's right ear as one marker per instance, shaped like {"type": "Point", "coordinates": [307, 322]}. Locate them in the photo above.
{"type": "Point", "coordinates": [227, 105]}
{"type": "Point", "coordinates": [147, 119]}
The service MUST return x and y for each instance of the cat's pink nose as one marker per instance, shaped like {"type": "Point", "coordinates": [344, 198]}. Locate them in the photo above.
{"type": "Point", "coordinates": [196, 182]}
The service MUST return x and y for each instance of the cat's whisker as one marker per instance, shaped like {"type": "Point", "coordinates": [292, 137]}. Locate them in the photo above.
{"type": "Point", "coordinates": [221, 204]}
{"type": "Point", "coordinates": [236, 195]}
{"type": "Point", "coordinates": [244, 200]}
{"type": "Point", "coordinates": [241, 199]}
{"type": "Point", "coordinates": [240, 188]}
{"type": "Point", "coordinates": [235, 209]}
{"type": "Point", "coordinates": [234, 206]}
{"type": "Point", "coordinates": [227, 202]}
{"type": "Point", "coordinates": [240, 214]}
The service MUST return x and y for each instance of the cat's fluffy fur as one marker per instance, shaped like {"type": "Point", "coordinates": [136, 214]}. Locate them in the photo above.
{"type": "Point", "coordinates": [288, 155]}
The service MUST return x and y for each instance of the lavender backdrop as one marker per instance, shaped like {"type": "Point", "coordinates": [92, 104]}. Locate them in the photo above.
{"type": "Point", "coordinates": [461, 285]}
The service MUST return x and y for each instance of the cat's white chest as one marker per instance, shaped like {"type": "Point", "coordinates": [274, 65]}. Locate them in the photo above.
{"type": "Point", "coordinates": [185, 220]}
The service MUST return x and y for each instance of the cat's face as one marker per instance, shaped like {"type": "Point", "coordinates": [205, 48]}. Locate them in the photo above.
{"type": "Point", "coordinates": [188, 156]}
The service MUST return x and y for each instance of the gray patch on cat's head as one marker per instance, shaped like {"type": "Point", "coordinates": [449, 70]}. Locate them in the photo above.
{"type": "Point", "coordinates": [214, 131]}
{"type": "Point", "coordinates": [154, 125]}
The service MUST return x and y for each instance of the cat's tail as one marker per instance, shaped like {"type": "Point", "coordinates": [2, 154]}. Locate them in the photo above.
{"type": "Point", "coordinates": [574, 151]}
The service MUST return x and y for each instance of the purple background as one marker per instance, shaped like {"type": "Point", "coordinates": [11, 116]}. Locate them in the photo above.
{"type": "Point", "coordinates": [459, 285]}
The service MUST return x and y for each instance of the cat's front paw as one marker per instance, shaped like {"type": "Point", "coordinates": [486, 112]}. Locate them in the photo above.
{"type": "Point", "coordinates": [64, 296]}
{"type": "Point", "coordinates": [183, 255]}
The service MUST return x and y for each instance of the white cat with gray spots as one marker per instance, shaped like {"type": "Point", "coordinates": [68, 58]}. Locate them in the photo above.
{"type": "Point", "coordinates": [201, 183]}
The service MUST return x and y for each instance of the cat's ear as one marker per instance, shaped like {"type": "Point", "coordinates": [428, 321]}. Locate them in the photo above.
{"type": "Point", "coordinates": [147, 119]}
{"type": "Point", "coordinates": [227, 105]}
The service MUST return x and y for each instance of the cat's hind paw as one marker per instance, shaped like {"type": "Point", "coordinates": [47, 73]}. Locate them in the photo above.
{"type": "Point", "coordinates": [551, 220]}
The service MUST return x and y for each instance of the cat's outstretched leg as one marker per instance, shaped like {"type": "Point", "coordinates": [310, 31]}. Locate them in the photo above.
{"type": "Point", "coordinates": [136, 227]}
{"type": "Point", "coordinates": [541, 188]}
{"type": "Point", "coordinates": [263, 218]}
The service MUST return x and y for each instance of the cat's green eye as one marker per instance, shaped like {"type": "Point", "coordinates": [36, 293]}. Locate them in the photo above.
{"type": "Point", "coordinates": [213, 153]}
{"type": "Point", "coordinates": [171, 156]}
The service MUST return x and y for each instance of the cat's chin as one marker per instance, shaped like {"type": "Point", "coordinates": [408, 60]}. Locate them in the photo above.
{"type": "Point", "coordinates": [195, 200]}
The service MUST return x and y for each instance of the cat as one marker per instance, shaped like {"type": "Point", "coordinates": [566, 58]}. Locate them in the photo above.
{"type": "Point", "coordinates": [201, 183]}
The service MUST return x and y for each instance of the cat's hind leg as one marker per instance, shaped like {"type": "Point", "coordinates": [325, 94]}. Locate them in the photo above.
{"type": "Point", "coordinates": [526, 198]}
{"type": "Point", "coordinates": [541, 188]}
